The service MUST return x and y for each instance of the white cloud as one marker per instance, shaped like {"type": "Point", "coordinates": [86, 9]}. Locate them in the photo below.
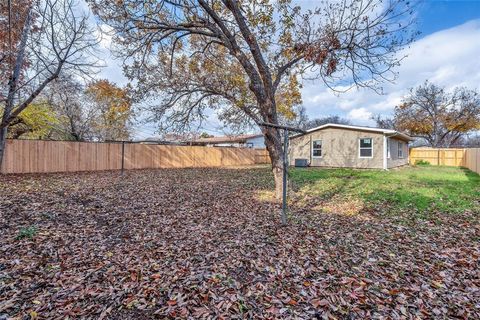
{"type": "Point", "coordinates": [359, 115]}
{"type": "Point", "coordinates": [449, 58]}
{"type": "Point", "coordinates": [112, 69]}
{"type": "Point", "coordinates": [104, 33]}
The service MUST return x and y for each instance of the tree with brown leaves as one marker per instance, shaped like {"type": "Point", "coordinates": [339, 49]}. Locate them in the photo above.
{"type": "Point", "coordinates": [439, 117]}
{"type": "Point", "coordinates": [245, 59]}
{"type": "Point", "coordinates": [113, 110]}
{"type": "Point", "coordinates": [45, 38]}
{"type": "Point", "coordinates": [13, 16]}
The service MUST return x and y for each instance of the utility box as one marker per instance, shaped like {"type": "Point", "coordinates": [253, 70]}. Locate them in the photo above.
{"type": "Point", "coordinates": [301, 162]}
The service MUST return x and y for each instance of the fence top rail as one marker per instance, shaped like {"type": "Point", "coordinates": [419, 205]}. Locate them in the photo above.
{"type": "Point", "coordinates": [435, 149]}
{"type": "Point", "coordinates": [72, 141]}
{"type": "Point", "coordinates": [142, 143]}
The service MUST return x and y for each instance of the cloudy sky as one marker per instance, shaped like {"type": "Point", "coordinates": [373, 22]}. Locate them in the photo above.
{"type": "Point", "coordinates": [447, 52]}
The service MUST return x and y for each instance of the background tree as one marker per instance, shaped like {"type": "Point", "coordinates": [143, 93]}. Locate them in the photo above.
{"type": "Point", "coordinates": [309, 124]}
{"type": "Point", "coordinates": [385, 122]}
{"type": "Point", "coordinates": [440, 118]}
{"type": "Point", "coordinates": [45, 38]}
{"type": "Point", "coordinates": [37, 121]}
{"type": "Point", "coordinates": [113, 110]}
{"type": "Point", "coordinates": [205, 135]}
{"type": "Point", "coordinates": [76, 113]}
{"type": "Point", "coordinates": [242, 58]}
{"type": "Point", "coordinates": [472, 140]}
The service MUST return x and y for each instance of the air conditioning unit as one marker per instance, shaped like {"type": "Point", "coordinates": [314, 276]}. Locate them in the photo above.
{"type": "Point", "coordinates": [301, 162]}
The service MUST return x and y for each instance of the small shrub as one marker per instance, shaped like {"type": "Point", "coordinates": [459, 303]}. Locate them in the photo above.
{"type": "Point", "coordinates": [422, 163]}
{"type": "Point", "coordinates": [28, 232]}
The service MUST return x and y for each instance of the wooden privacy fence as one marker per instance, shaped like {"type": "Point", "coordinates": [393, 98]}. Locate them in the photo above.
{"type": "Point", "coordinates": [468, 157]}
{"type": "Point", "coordinates": [29, 156]}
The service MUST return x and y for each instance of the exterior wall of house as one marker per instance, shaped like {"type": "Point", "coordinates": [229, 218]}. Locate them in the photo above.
{"type": "Point", "coordinates": [340, 148]}
{"type": "Point", "coordinates": [226, 144]}
{"type": "Point", "coordinates": [256, 142]}
{"type": "Point", "coordinates": [394, 160]}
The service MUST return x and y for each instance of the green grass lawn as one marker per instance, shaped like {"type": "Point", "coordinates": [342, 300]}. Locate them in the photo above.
{"type": "Point", "coordinates": [417, 192]}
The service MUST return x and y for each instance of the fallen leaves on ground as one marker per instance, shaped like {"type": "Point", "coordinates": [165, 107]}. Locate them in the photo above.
{"type": "Point", "coordinates": [199, 243]}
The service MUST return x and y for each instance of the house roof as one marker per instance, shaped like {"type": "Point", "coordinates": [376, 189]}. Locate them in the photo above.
{"type": "Point", "coordinates": [388, 132]}
{"type": "Point", "coordinates": [228, 139]}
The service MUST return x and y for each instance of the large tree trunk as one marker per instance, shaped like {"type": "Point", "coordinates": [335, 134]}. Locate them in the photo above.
{"type": "Point", "coordinates": [3, 137]}
{"type": "Point", "coordinates": [273, 143]}
{"type": "Point", "coordinates": [7, 117]}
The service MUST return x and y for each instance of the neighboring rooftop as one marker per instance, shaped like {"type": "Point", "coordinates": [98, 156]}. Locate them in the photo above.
{"type": "Point", "coordinates": [228, 139]}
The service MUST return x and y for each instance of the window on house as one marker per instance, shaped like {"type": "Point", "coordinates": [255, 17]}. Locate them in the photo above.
{"type": "Point", "coordinates": [366, 148]}
{"type": "Point", "coordinates": [400, 149]}
{"type": "Point", "coordinates": [317, 148]}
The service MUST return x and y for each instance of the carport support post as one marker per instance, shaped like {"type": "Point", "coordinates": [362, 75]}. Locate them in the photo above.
{"type": "Point", "coordinates": [285, 172]}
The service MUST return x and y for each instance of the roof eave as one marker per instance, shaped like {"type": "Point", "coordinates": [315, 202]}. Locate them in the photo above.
{"type": "Point", "coordinates": [348, 127]}
{"type": "Point", "coordinates": [341, 126]}
{"type": "Point", "coordinates": [402, 135]}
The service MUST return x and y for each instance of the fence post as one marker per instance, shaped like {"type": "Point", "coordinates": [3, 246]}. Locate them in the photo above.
{"type": "Point", "coordinates": [477, 169]}
{"type": "Point", "coordinates": [123, 156]}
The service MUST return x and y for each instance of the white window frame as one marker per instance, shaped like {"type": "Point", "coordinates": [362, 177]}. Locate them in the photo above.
{"type": "Point", "coordinates": [321, 148]}
{"type": "Point", "coordinates": [360, 148]}
{"type": "Point", "coordinates": [400, 150]}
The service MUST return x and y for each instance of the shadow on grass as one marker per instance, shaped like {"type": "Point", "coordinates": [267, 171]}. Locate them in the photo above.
{"type": "Point", "coordinates": [409, 193]}
{"type": "Point", "coordinates": [472, 176]}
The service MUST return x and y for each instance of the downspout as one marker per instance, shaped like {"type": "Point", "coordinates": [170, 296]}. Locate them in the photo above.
{"type": "Point", "coordinates": [408, 153]}
{"type": "Point", "coordinates": [385, 152]}
{"type": "Point", "coordinates": [310, 150]}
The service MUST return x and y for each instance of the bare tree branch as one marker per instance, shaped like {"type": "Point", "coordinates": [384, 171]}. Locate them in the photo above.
{"type": "Point", "coordinates": [57, 41]}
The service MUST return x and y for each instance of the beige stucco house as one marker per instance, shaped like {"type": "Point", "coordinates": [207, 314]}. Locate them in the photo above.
{"type": "Point", "coordinates": [337, 145]}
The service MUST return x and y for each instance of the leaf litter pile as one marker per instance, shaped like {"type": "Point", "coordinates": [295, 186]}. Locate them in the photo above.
{"type": "Point", "coordinates": [201, 243]}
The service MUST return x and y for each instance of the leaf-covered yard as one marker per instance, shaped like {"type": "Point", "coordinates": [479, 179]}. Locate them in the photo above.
{"type": "Point", "coordinates": [193, 243]}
